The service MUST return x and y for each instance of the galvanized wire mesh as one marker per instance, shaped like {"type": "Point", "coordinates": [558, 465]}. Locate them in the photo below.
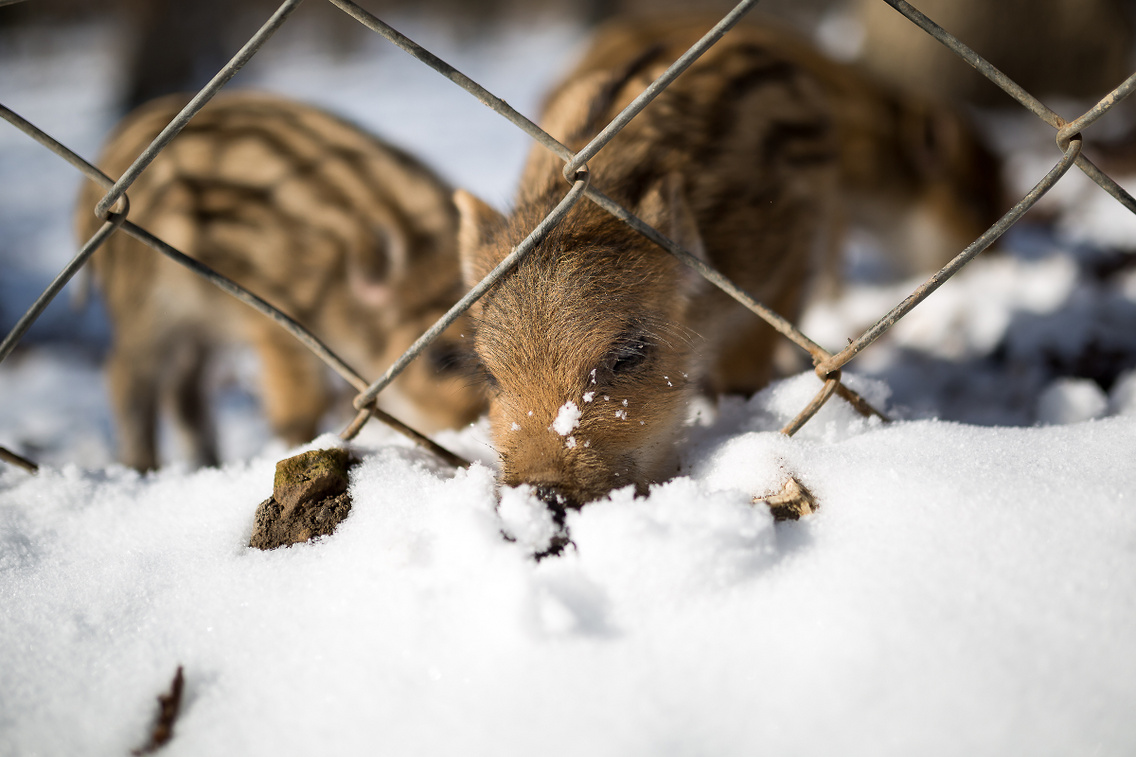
{"type": "Point", "coordinates": [114, 209]}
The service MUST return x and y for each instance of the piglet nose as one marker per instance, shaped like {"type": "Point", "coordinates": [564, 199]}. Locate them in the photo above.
{"type": "Point", "coordinates": [556, 498]}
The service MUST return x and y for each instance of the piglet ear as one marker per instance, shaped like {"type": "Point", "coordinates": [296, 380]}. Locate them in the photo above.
{"type": "Point", "coordinates": [477, 220]}
{"type": "Point", "coordinates": [664, 206]}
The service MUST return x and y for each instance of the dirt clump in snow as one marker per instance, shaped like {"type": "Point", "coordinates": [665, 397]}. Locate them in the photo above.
{"type": "Point", "coordinates": [309, 499]}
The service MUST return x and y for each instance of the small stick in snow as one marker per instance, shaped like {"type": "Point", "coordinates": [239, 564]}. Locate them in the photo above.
{"type": "Point", "coordinates": [11, 457]}
{"type": "Point", "coordinates": [793, 501]}
{"type": "Point", "coordinates": [168, 706]}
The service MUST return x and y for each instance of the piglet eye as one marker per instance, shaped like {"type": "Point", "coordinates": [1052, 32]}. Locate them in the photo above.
{"type": "Point", "coordinates": [486, 378]}
{"type": "Point", "coordinates": [445, 357]}
{"type": "Point", "coordinates": [628, 355]}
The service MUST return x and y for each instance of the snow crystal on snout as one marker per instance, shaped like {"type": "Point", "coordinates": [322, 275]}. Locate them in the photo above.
{"type": "Point", "coordinates": [567, 419]}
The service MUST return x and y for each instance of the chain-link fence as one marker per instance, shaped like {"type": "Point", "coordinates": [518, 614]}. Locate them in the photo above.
{"type": "Point", "coordinates": [114, 209]}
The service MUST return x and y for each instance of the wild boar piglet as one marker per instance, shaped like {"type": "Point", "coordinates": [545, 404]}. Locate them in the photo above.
{"type": "Point", "coordinates": [349, 235]}
{"type": "Point", "coordinates": [758, 158]}
{"type": "Point", "coordinates": [594, 345]}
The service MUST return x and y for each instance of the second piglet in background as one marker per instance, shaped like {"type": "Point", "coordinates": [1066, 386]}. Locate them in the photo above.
{"type": "Point", "coordinates": [350, 236]}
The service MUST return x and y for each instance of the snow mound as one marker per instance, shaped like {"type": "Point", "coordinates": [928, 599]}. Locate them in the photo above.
{"type": "Point", "coordinates": [960, 590]}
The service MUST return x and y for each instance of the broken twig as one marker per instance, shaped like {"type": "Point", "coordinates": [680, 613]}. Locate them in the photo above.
{"type": "Point", "coordinates": [168, 707]}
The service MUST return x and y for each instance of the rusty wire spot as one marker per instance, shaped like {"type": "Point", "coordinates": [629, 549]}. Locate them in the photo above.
{"type": "Point", "coordinates": [1076, 126]}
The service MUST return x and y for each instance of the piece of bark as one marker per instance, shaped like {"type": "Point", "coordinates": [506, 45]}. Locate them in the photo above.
{"type": "Point", "coordinates": [168, 707]}
{"type": "Point", "coordinates": [791, 503]}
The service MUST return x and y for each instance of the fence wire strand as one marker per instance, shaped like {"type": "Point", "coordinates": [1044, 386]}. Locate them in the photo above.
{"type": "Point", "coordinates": [496, 104]}
{"type": "Point", "coordinates": [1025, 99]}
{"type": "Point", "coordinates": [113, 208]}
{"type": "Point", "coordinates": [56, 286]}
{"type": "Point", "coordinates": [574, 163]}
{"type": "Point", "coordinates": [243, 56]}
{"type": "Point", "coordinates": [655, 88]}
{"type": "Point", "coordinates": [118, 220]}
{"type": "Point", "coordinates": [924, 290]}
{"type": "Point", "coordinates": [509, 263]}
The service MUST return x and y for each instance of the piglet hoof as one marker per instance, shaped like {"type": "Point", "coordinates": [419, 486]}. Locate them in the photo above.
{"type": "Point", "coordinates": [793, 501]}
{"type": "Point", "coordinates": [309, 499]}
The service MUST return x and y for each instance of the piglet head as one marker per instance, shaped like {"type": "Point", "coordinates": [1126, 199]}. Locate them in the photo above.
{"type": "Point", "coordinates": [583, 346]}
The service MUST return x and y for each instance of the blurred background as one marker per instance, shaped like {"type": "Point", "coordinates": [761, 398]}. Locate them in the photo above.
{"type": "Point", "coordinates": [1077, 48]}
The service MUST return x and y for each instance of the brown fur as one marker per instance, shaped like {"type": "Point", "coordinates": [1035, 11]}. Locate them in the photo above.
{"type": "Point", "coordinates": [1069, 48]}
{"type": "Point", "coordinates": [346, 234]}
{"type": "Point", "coordinates": [737, 162]}
{"type": "Point", "coordinates": [742, 161]}
{"type": "Point", "coordinates": [913, 170]}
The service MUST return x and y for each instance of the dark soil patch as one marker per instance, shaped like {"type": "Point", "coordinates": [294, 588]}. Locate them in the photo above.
{"type": "Point", "coordinates": [309, 499]}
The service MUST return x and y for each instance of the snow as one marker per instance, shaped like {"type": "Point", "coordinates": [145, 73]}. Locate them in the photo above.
{"type": "Point", "coordinates": [962, 589]}
{"type": "Point", "coordinates": [567, 418]}
{"type": "Point", "coordinates": [968, 585]}
{"type": "Point", "coordinates": [1122, 398]}
{"type": "Point", "coordinates": [1071, 401]}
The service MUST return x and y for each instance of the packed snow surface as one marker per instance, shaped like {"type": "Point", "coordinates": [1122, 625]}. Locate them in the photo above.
{"type": "Point", "coordinates": [962, 590]}
{"type": "Point", "coordinates": [968, 585]}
